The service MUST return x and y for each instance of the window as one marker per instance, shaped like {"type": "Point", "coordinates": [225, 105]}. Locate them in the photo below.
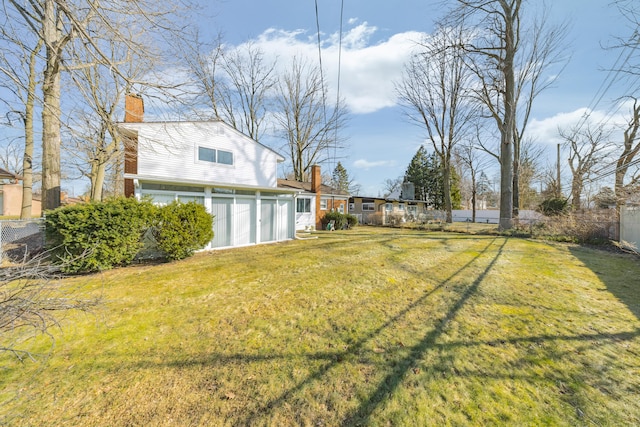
{"type": "Point", "coordinates": [368, 207]}
{"type": "Point", "coordinates": [206, 154]}
{"type": "Point", "coordinates": [323, 204]}
{"type": "Point", "coordinates": [352, 207]}
{"type": "Point", "coordinates": [215, 156]}
{"type": "Point", "coordinates": [303, 206]}
{"type": "Point", "coordinates": [341, 208]}
{"type": "Point", "coordinates": [401, 207]}
{"type": "Point", "coordinates": [186, 199]}
{"type": "Point", "coordinates": [225, 157]}
{"type": "Point", "coordinates": [171, 187]}
{"type": "Point", "coordinates": [388, 207]}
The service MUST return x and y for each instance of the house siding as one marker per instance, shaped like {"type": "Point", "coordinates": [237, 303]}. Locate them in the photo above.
{"type": "Point", "coordinates": [244, 198]}
{"type": "Point", "coordinates": [170, 150]}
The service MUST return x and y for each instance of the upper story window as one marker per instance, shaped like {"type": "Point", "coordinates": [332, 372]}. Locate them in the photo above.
{"type": "Point", "coordinates": [225, 157]}
{"type": "Point", "coordinates": [215, 156]}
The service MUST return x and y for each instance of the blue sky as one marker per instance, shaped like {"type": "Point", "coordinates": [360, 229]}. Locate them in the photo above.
{"type": "Point", "coordinates": [376, 38]}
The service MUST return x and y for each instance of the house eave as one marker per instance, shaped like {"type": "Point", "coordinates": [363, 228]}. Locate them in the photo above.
{"type": "Point", "coordinates": [165, 180]}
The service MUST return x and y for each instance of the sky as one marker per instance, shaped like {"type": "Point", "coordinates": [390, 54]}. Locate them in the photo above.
{"type": "Point", "coordinates": [377, 37]}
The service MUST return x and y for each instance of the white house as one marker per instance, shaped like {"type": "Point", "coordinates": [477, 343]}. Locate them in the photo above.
{"type": "Point", "coordinates": [232, 175]}
{"type": "Point", "coordinates": [315, 199]}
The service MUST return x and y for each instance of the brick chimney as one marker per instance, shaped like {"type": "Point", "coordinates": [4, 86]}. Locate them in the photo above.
{"type": "Point", "coordinates": [316, 181]}
{"type": "Point", "coordinates": [133, 108]}
{"type": "Point", "coordinates": [133, 113]}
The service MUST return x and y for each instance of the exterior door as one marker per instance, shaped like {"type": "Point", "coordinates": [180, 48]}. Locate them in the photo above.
{"type": "Point", "coordinates": [244, 222]}
{"type": "Point", "coordinates": [268, 220]}
{"type": "Point", "coordinates": [221, 209]}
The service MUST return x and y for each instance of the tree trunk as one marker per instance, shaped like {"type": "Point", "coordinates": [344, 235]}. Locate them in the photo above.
{"type": "Point", "coordinates": [508, 125]}
{"type": "Point", "coordinates": [98, 173]}
{"type": "Point", "coordinates": [29, 140]}
{"type": "Point", "coordinates": [51, 111]}
{"type": "Point", "coordinates": [446, 184]}
{"type": "Point", "coordinates": [516, 179]}
{"type": "Point", "coordinates": [576, 191]}
{"type": "Point", "coordinates": [474, 192]}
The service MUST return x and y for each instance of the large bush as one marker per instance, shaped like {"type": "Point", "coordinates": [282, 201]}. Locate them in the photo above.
{"type": "Point", "coordinates": [182, 228]}
{"type": "Point", "coordinates": [98, 235]}
{"type": "Point", "coordinates": [554, 206]}
{"type": "Point", "coordinates": [339, 220]}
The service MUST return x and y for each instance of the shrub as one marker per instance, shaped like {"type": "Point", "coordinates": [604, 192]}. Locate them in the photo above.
{"type": "Point", "coordinates": [352, 220]}
{"type": "Point", "coordinates": [338, 219]}
{"type": "Point", "coordinates": [554, 206]}
{"type": "Point", "coordinates": [99, 235]}
{"type": "Point", "coordinates": [182, 228]}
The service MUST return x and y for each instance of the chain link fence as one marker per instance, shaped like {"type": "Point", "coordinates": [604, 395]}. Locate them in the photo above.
{"type": "Point", "coordinates": [20, 239]}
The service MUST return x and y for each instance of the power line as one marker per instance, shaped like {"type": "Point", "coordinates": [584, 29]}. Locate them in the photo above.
{"type": "Point", "coordinates": [324, 101]}
{"type": "Point", "coordinates": [335, 145]}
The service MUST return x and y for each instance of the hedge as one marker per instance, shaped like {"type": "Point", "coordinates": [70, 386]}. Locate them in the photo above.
{"type": "Point", "coordinates": [96, 236]}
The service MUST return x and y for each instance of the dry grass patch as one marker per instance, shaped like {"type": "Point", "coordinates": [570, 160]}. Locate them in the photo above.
{"type": "Point", "coordinates": [363, 327]}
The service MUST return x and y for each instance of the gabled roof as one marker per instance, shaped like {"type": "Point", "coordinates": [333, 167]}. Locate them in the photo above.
{"type": "Point", "coordinates": [306, 187]}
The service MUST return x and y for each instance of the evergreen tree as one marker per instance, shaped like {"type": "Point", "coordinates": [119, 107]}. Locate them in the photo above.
{"type": "Point", "coordinates": [340, 178]}
{"type": "Point", "coordinates": [426, 173]}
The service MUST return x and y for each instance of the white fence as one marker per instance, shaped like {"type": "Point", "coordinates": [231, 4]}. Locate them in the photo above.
{"type": "Point", "coordinates": [630, 226]}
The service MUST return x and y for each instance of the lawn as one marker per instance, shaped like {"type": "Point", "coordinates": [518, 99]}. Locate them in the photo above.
{"type": "Point", "coordinates": [369, 326]}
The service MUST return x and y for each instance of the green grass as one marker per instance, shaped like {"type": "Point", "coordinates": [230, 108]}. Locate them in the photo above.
{"type": "Point", "coordinates": [362, 327]}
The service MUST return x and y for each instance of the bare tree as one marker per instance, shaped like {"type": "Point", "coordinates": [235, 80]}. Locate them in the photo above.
{"type": "Point", "coordinates": [392, 185]}
{"type": "Point", "coordinates": [587, 148]}
{"type": "Point", "coordinates": [627, 159]}
{"type": "Point", "coordinates": [32, 301]}
{"type": "Point", "coordinates": [96, 145]}
{"type": "Point", "coordinates": [57, 24]}
{"type": "Point", "coordinates": [541, 47]}
{"type": "Point", "coordinates": [202, 60]}
{"type": "Point", "coordinates": [495, 52]}
{"type": "Point", "coordinates": [472, 162]}
{"type": "Point", "coordinates": [18, 69]}
{"type": "Point", "coordinates": [236, 82]}
{"type": "Point", "coordinates": [434, 91]}
{"type": "Point", "coordinates": [309, 126]}
{"type": "Point", "coordinates": [244, 98]}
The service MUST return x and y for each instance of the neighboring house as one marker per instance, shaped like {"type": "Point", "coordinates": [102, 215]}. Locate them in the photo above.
{"type": "Point", "coordinates": [11, 196]}
{"type": "Point", "coordinates": [315, 200]}
{"type": "Point", "coordinates": [210, 163]}
{"type": "Point", "coordinates": [389, 210]}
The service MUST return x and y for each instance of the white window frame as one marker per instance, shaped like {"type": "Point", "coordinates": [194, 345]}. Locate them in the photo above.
{"type": "Point", "coordinates": [307, 203]}
{"type": "Point", "coordinates": [323, 204]}
{"type": "Point", "coordinates": [216, 156]}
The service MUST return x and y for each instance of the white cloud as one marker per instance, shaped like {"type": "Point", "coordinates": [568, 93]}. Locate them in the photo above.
{"type": "Point", "coordinates": [368, 71]}
{"type": "Point", "coordinates": [365, 164]}
{"type": "Point", "coordinates": [546, 130]}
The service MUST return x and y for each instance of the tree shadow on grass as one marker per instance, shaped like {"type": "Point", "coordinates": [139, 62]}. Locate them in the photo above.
{"type": "Point", "coordinates": [332, 360]}
{"type": "Point", "coordinates": [620, 273]}
{"type": "Point", "coordinates": [393, 379]}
